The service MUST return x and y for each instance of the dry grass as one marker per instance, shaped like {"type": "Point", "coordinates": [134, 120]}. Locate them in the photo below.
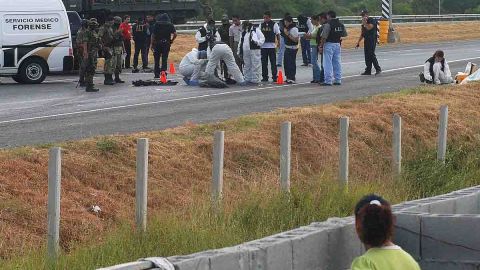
{"type": "Point", "coordinates": [101, 171]}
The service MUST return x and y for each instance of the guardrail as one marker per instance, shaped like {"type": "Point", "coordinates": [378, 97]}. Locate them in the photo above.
{"type": "Point", "coordinates": [191, 27]}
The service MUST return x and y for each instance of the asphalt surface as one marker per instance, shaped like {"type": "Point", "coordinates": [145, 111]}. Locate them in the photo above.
{"type": "Point", "coordinates": [57, 111]}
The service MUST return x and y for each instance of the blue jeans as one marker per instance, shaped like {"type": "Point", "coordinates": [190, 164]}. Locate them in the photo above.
{"type": "Point", "coordinates": [306, 55]}
{"type": "Point", "coordinates": [290, 63]}
{"type": "Point", "coordinates": [332, 58]}
{"type": "Point", "coordinates": [317, 73]}
{"type": "Point", "coordinates": [281, 52]}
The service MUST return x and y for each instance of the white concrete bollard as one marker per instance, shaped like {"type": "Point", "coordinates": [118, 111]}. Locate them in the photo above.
{"type": "Point", "coordinates": [54, 189]}
{"type": "Point", "coordinates": [141, 187]}
{"type": "Point", "coordinates": [442, 134]}
{"type": "Point", "coordinates": [285, 155]}
{"type": "Point", "coordinates": [217, 172]}
{"type": "Point", "coordinates": [344, 151]}
{"type": "Point", "coordinates": [397, 145]}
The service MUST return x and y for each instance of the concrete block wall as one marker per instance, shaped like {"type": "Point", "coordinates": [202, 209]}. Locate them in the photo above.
{"type": "Point", "coordinates": [441, 232]}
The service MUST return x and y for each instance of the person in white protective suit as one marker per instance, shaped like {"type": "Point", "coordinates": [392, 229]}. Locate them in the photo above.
{"type": "Point", "coordinates": [187, 65]}
{"type": "Point", "coordinates": [436, 70]}
{"type": "Point", "coordinates": [220, 51]}
{"type": "Point", "coordinates": [250, 51]}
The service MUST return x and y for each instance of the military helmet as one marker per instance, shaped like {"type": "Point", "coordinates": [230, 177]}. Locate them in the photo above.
{"type": "Point", "coordinates": [117, 19]}
{"type": "Point", "coordinates": [93, 22]}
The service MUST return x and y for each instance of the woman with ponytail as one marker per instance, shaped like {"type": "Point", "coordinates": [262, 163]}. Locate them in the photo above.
{"type": "Point", "coordinates": [374, 224]}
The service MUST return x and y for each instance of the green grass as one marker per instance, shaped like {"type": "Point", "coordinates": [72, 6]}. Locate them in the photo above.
{"type": "Point", "coordinates": [262, 214]}
{"type": "Point", "coordinates": [107, 145]}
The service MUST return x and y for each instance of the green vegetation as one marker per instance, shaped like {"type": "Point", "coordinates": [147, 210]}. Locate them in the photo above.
{"type": "Point", "coordinates": [263, 213]}
{"type": "Point", "coordinates": [107, 145]}
{"type": "Point", "coordinates": [255, 9]}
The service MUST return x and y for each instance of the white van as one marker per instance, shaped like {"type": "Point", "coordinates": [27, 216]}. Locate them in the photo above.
{"type": "Point", "coordinates": [35, 39]}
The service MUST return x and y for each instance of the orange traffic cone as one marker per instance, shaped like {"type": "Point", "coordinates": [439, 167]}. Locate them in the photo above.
{"type": "Point", "coordinates": [280, 77]}
{"type": "Point", "coordinates": [163, 78]}
{"type": "Point", "coordinates": [172, 68]}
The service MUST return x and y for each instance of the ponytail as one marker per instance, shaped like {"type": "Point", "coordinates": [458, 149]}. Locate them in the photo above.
{"type": "Point", "coordinates": [374, 214]}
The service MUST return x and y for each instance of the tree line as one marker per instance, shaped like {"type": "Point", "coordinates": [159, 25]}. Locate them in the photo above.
{"type": "Point", "coordinates": [255, 8]}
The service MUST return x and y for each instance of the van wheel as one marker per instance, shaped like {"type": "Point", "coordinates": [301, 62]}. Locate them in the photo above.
{"type": "Point", "coordinates": [17, 79]}
{"type": "Point", "coordinates": [33, 71]}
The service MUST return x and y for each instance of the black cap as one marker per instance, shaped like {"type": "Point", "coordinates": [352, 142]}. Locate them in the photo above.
{"type": "Point", "coordinates": [364, 12]}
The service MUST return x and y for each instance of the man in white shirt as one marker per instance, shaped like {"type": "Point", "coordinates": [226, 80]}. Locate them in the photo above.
{"type": "Point", "coordinates": [249, 47]}
{"type": "Point", "coordinates": [206, 36]}
{"type": "Point", "coordinates": [235, 33]}
{"type": "Point", "coordinates": [271, 31]}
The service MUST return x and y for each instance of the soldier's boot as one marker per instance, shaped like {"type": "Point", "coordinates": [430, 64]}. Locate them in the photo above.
{"type": "Point", "coordinates": [91, 88]}
{"type": "Point", "coordinates": [81, 81]}
{"type": "Point", "coordinates": [108, 80]}
{"type": "Point", "coordinates": [117, 78]}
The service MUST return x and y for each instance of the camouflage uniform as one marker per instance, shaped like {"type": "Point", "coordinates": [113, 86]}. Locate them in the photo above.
{"type": "Point", "coordinates": [79, 41]}
{"type": "Point", "coordinates": [105, 34]}
{"type": "Point", "coordinates": [118, 49]}
{"type": "Point", "coordinates": [91, 43]}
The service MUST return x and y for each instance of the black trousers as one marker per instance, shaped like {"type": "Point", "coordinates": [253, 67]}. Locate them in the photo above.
{"type": "Point", "coordinates": [272, 55]}
{"type": "Point", "coordinates": [128, 51]}
{"type": "Point", "coordinates": [140, 48]}
{"type": "Point", "coordinates": [161, 50]}
{"type": "Point", "coordinates": [370, 58]}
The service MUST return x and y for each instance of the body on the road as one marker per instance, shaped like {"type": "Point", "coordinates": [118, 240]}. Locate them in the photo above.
{"type": "Point", "coordinates": [332, 35]}
{"type": "Point", "coordinates": [370, 35]}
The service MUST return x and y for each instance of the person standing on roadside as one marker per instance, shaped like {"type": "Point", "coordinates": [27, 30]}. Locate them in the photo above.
{"type": "Point", "coordinates": [90, 44]}
{"type": "Point", "coordinates": [105, 34]}
{"type": "Point", "coordinates": [163, 36]}
{"type": "Point", "coordinates": [250, 45]}
{"type": "Point", "coordinates": [312, 37]}
{"type": "Point", "coordinates": [235, 34]}
{"type": "Point", "coordinates": [303, 30]}
{"type": "Point", "coordinates": [127, 39]}
{"type": "Point", "coordinates": [79, 41]}
{"type": "Point", "coordinates": [291, 37]}
{"type": "Point", "coordinates": [118, 48]}
{"type": "Point", "coordinates": [281, 48]}
{"type": "Point", "coordinates": [224, 31]}
{"type": "Point", "coordinates": [369, 34]}
{"type": "Point", "coordinates": [150, 24]}
{"type": "Point", "coordinates": [139, 30]}
{"type": "Point", "coordinates": [332, 35]}
{"type": "Point", "coordinates": [271, 31]}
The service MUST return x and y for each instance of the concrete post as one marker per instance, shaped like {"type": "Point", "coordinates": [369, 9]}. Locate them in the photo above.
{"type": "Point", "coordinates": [141, 187]}
{"type": "Point", "coordinates": [344, 151]}
{"type": "Point", "coordinates": [397, 145]}
{"type": "Point", "coordinates": [217, 172]}
{"type": "Point", "coordinates": [442, 134]}
{"type": "Point", "coordinates": [285, 156]}
{"type": "Point", "coordinates": [54, 188]}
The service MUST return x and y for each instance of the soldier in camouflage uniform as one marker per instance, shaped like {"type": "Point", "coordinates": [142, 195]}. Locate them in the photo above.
{"type": "Point", "coordinates": [118, 48]}
{"type": "Point", "coordinates": [110, 41]}
{"type": "Point", "coordinates": [90, 48]}
{"type": "Point", "coordinates": [79, 41]}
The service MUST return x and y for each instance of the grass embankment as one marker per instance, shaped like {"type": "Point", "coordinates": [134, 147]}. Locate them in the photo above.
{"type": "Point", "coordinates": [101, 172]}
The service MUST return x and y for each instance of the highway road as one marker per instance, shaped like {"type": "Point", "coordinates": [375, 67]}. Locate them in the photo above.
{"type": "Point", "coordinates": [57, 111]}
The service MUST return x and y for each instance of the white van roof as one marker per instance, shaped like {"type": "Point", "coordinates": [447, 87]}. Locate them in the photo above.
{"type": "Point", "coordinates": [31, 5]}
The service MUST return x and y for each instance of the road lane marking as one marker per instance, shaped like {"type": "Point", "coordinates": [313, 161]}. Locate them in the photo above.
{"type": "Point", "coordinates": [196, 97]}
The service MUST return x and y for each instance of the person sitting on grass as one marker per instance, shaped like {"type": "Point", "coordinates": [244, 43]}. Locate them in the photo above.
{"type": "Point", "coordinates": [374, 224]}
{"type": "Point", "coordinates": [436, 70]}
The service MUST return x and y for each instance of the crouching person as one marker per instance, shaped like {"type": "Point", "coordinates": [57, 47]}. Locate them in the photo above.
{"type": "Point", "coordinates": [249, 47]}
{"type": "Point", "coordinates": [187, 65]}
{"type": "Point", "coordinates": [436, 70]}
{"type": "Point", "coordinates": [222, 52]}
{"type": "Point", "coordinates": [374, 223]}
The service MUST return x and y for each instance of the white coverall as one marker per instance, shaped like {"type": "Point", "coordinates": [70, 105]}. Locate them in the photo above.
{"type": "Point", "coordinates": [187, 65]}
{"type": "Point", "coordinates": [252, 59]}
{"type": "Point", "coordinates": [223, 52]}
{"type": "Point", "coordinates": [441, 77]}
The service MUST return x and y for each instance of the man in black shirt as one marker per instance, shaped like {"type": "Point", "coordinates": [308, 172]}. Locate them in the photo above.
{"type": "Point", "coordinates": [369, 35]}
{"type": "Point", "coordinates": [139, 32]}
{"type": "Point", "coordinates": [163, 35]}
